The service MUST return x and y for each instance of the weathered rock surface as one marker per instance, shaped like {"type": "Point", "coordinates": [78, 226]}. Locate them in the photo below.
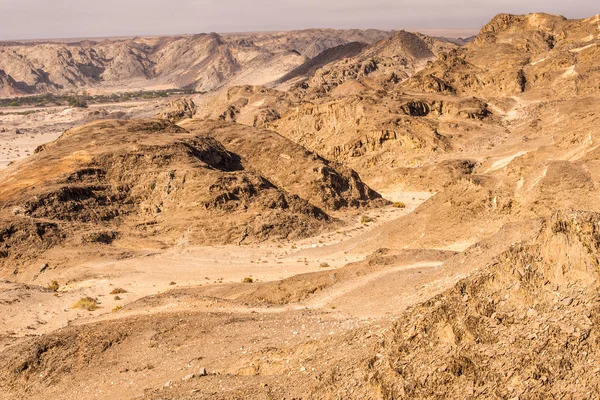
{"type": "Point", "coordinates": [524, 326]}
{"type": "Point", "coordinates": [177, 110]}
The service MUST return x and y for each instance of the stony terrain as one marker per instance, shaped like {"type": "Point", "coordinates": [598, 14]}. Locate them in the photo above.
{"type": "Point", "coordinates": [248, 251]}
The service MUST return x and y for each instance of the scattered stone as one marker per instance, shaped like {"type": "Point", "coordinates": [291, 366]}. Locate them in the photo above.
{"type": "Point", "coordinates": [567, 301]}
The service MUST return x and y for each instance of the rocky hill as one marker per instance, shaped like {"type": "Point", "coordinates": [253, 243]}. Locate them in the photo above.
{"type": "Point", "coordinates": [157, 183]}
{"type": "Point", "coordinates": [396, 107]}
{"type": "Point", "coordinates": [367, 130]}
{"type": "Point", "coordinates": [327, 185]}
{"type": "Point", "coordinates": [378, 66]}
{"type": "Point", "coordinates": [538, 54]}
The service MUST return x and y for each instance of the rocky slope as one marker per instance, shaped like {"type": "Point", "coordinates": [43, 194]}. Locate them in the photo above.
{"type": "Point", "coordinates": [327, 185]}
{"type": "Point", "coordinates": [525, 326]}
{"type": "Point", "coordinates": [380, 65]}
{"type": "Point", "coordinates": [538, 54]}
{"type": "Point", "coordinates": [163, 185]}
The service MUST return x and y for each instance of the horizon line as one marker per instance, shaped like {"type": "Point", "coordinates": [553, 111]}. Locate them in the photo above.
{"type": "Point", "coordinates": [76, 39]}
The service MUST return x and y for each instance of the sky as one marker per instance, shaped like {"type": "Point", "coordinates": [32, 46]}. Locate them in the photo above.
{"type": "Point", "coordinates": [36, 19]}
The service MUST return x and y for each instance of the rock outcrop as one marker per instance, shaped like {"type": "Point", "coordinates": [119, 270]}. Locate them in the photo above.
{"type": "Point", "coordinates": [177, 110]}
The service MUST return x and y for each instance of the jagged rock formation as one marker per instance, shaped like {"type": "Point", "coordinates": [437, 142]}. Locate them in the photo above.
{"type": "Point", "coordinates": [369, 132]}
{"type": "Point", "coordinates": [349, 111]}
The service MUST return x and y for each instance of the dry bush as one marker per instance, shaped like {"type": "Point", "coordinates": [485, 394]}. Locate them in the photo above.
{"type": "Point", "coordinates": [53, 286]}
{"type": "Point", "coordinates": [87, 303]}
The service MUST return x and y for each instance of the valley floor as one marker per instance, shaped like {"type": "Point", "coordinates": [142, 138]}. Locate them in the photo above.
{"type": "Point", "coordinates": [196, 292]}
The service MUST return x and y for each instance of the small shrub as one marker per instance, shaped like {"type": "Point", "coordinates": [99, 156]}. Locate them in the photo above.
{"type": "Point", "coordinates": [14, 104]}
{"type": "Point", "coordinates": [399, 204]}
{"type": "Point", "coordinates": [172, 283]}
{"type": "Point", "coordinates": [365, 219]}
{"type": "Point", "coordinates": [324, 265]}
{"type": "Point", "coordinates": [76, 102]}
{"type": "Point", "coordinates": [247, 280]}
{"type": "Point", "coordinates": [117, 308]}
{"type": "Point", "coordinates": [53, 286]}
{"type": "Point", "coordinates": [87, 303]}
{"type": "Point", "coordinates": [117, 298]}
{"type": "Point", "coordinates": [118, 291]}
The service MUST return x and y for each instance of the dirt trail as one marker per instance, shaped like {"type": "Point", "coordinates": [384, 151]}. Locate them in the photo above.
{"type": "Point", "coordinates": [359, 290]}
{"type": "Point", "coordinates": [359, 285]}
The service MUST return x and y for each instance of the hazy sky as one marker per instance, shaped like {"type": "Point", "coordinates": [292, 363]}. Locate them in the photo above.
{"type": "Point", "coordinates": [25, 19]}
